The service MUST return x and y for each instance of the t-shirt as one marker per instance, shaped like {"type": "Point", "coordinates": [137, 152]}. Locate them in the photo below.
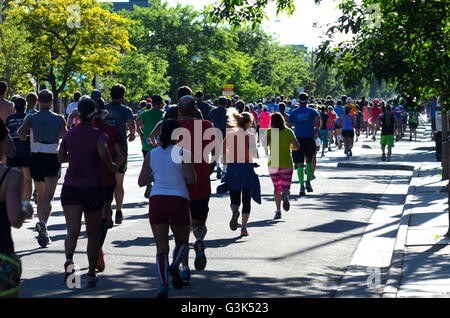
{"type": "Point", "coordinates": [172, 113]}
{"type": "Point", "coordinates": [204, 109]}
{"type": "Point", "coordinates": [150, 118]}
{"type": "Point", "coordinates": [219, 118]}
{"type": "Point", "coordinates": [324, 118]}
{"type": "Point", "coordinates": [70, 109]}
{"type": "Point", "coordinates": [202, 187]}
{"type": "Point", "coordinates": [13, 123]}
{"type": "Point", "coordinates": [280, 151]}
{"type": "Point", "coordinates": [303, 120]}
{"type": "Point", "coordinates": [387, 124]}
{"type": "Point", "coordinates": [85, 165]}
{"type": "Point", "coordinates": [118, 117]}
{"type": "Point", "coordinates": [354, 110]}
{"type": "Point", "coordinates": [358, 119]}
{"type": "Point", "coordinates": [273, 108]}
{"type": "Point", "coordinates": [398, 110]}
{"type": "Point", "coordinates": [339, 110]}
{"type": "Point", "coordinates": [376, 111]}
{"type": "Point", "coordinates": [265, 120]}
{"type": "Point", "coordinates": [333, 118]}
{"type": "Point", "coordinates": [108, 176]}
{"type": "Point", "coordinates": [413, 117]}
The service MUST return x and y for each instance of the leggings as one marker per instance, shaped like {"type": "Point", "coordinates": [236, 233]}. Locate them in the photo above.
{"type": "Point", "coordinates": [281, 178]}
{"type": "Point", "coordinates": [235, 196]}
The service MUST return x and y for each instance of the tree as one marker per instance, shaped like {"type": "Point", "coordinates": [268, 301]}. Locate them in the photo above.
{"type": "Point", "coordinates": [143, 76]}
{"type": "Point", "coordinates": [70, 38]}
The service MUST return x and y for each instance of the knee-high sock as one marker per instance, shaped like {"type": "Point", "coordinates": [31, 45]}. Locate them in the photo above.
{"type": "Point", "coordinates": [309, 169]}
{"type": "Point", "coordinates": [301, 175]}
{"type": "Point", "coordinates": [178, 254]}
{"type": "Point", "coordinates": [103, 231]}
{"type": "Point", "coordinates": [162, 264]}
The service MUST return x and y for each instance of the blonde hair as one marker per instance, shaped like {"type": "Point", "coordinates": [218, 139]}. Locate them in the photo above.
{"type": "Point", "coordinates": [242, 120]}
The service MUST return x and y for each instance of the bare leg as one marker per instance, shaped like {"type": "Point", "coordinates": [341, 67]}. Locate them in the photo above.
{"type": "Point", "coordinates": [93, 220]}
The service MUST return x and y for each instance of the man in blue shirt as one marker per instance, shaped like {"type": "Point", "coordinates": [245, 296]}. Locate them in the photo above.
{"type": "Point", "coordinates": [121, 117]}
{"type": "Point", "coordinates": [398, 112]}
{"type": "Point", "coordinates": [272, 107]}
{"type": "Point", "coordinates": [306, 122]}
{"type": "Point", "coordinates": [339, 109]}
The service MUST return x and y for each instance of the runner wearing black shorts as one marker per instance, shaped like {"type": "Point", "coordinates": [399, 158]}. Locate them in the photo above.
{"type": "Point", "coordinates": [306, 122]}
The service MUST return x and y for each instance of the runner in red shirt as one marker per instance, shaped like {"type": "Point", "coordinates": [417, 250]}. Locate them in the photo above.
{"type": "Point", "coordinates": [199, 192]}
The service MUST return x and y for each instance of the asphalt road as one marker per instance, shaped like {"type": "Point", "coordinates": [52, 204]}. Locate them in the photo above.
{"type": "Point", "coordinates": [305, 254]}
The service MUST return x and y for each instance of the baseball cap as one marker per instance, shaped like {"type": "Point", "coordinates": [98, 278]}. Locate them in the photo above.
{"type": "Point", "coordinates": [96, 94]}
{"type": "Point", "coordinates": [349, 99]}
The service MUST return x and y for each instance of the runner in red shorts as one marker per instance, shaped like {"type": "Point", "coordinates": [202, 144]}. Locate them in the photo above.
{"type": "Point", "coordinates": [169, 202]}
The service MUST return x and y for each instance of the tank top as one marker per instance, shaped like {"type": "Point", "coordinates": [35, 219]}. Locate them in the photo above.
{"type": "Point", "coordinates": [347, 123]}
{"type": "Point", "coordinates": [46, 128]}
{"type": "Point", "coordinates": [167, 168]}
{"type": "Point", "coordinates": [6, 242]}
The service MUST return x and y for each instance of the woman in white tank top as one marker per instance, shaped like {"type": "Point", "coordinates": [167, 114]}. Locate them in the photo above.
{"type": "Point", "coordinates": [169, 202]}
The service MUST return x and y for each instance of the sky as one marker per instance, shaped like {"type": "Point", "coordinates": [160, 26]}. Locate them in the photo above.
{"type": "Point", "coordinates": [296, 29]}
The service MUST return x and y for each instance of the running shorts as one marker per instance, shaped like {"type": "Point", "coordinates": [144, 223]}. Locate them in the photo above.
{"type": "Point", "coordinates": [19, 162]}
{"type": "Point", "coordinates": [387, 140]}
{"type": "Point", "coordinates": [413, 125]}
{"type": "Point", "coordinates": [199, 209]}
{"type": "Point", "coordinates": [10, 272]}
{"type": "Point", "coordinates": [91, 199]}
{"type": "Point", "coordinates": [43, 165]}
{"type": "Point", "coordinates": [307, 149]}
{"type": "Point", "coordinates": [348, 133]}
{"type": "Point", "coordinates": [123, 168]}
{"type": "Point", "coordinates": [323, 136]}
{"type": "Point", "coordinates": [281, 178]}
{"type": "Point", "coordinates": [109, 192]}
{"type": "Point", "coordinates": [168, 209]}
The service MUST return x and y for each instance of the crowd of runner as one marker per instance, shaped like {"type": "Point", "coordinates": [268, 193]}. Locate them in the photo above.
{"type": "Point", "coordinates": [182, 145]}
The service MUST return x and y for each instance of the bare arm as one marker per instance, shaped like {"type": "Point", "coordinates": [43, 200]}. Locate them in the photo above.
{"type": "Point", "coordinates": [62, 154]}
{"type": "Point", "coordinates": [71, 118]}
{"type": "Point", "coordinates": [23, 130]}
{"type": "Point", "coordinates": [189, 172]}
{"type": "Point", "coordinates": [295, 144]}
{"type": "Point", "coordinates": [120, 156]}
{"type": "Point", "coordinates": [103, 152]}
{"type": "Point", "coordinates": [131, 123]}
{"type": "Point", "coordinates": [144, 176]}
{"type": "Point", "coordinates": [13, 199]}
{"type": "Point", "coordinates": [62, 128]}
{"type": "Point", "coordinates": [317, 122]}
{"type": "Point", "coordinates": [155, 132]}
{"type": "Point", "coordinates": [9, 147]}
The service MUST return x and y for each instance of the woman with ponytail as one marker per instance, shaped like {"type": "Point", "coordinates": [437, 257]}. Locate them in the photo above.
{"type": "Point", "coordinates": [240, 150]}
{"type": "Point", "coordinates": [172, 169]}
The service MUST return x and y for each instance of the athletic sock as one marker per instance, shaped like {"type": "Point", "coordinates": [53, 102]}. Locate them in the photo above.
{"type": "Point", "coordinates": [309, 169]}
{"type": "Point", "coordinates": [178, 254]}
{"type": "Point", "coordinates": [301, 176]}
{"type": "Point", "coordinates": [162, 263]}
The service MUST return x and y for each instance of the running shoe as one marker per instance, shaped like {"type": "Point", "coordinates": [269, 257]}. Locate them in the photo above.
{"type": "Point", "coordinates": [383, 157]}
{"type": "Point", "coordinates": [277, 215]}
{"type": "Point", "coordinates": [350, 152]}
{"type": "Point", "coordinates": [234, 221]}
{"type": "Point", "coordinates": [100, 262]}
{"type": "Point", "coordinates": [177, 282]}
{"type": "Point", "coordinates": [186, 276]}
{"type": "Point", "coordinates": [302, 191]}
{"type": "Point", "coordinates": [373, 138]}
{"type": "Point", "coordinates": [244, 232]}
{"type": "Point", "coordinates": [308, 186]}
{"type": "Point", "coordinates": [42, 237]}
{"type": "Point", "coordinates": [285, 199]}
{"type": "Point", "coordinates": [92, 281]}
{"type": "Point", "coordinates": [313, 177]}
{"type": "Point", "coordinates": [163, 292]}
{"type": "Point", "coordinates": [323, 155]}
{"type": "Point", "coordinates": [119, 217]}
{"type": "Point", "coordinates": [68, 273]}
{"type": "Point", "coordinates": [200, 258]}
{"type": "Point", "coordinates": [329, 148]}
{"type": "Point", "coordinates": [148, 190]}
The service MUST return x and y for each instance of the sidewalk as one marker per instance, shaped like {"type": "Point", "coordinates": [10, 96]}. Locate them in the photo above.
{"type": "Point", "coordinates": [421, 257]}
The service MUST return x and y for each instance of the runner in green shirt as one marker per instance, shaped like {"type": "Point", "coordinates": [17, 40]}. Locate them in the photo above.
{"type": "Point", "coordinates": [146, 122]}
{"type": "Point", "coordinates": [281, 139]}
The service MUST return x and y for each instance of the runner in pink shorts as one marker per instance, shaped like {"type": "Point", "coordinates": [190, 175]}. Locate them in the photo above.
{"type": "Point", "coordinates": [280, 139]}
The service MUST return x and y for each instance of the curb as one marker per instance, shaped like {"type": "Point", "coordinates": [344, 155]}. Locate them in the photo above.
{"type": "Point", "coordinates": [376, 166]}
{"type": "Point", "coordinates": [395, 269]}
